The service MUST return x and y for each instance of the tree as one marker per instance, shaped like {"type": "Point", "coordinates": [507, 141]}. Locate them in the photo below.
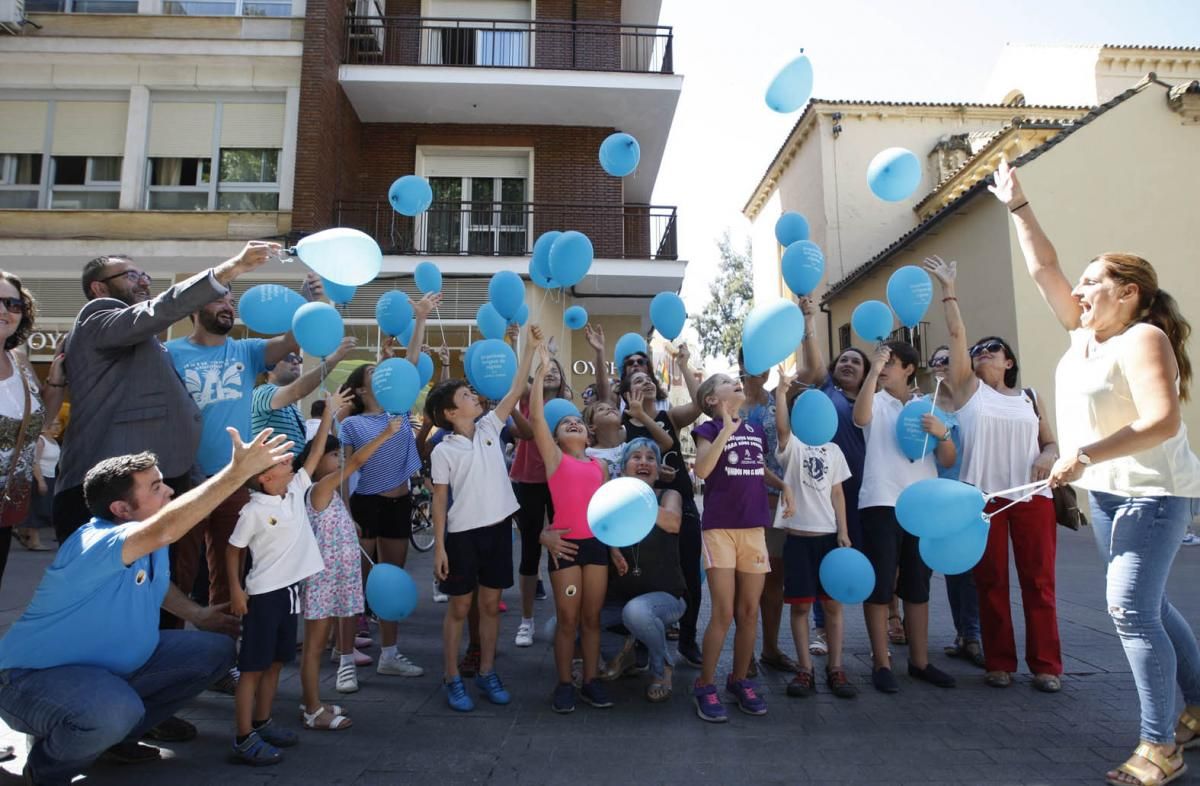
{"type": "Point", "coordinates": [731, 296]}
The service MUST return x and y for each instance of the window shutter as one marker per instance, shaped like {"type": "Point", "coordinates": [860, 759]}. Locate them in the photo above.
{"type": "Point", "coordinates": [515, 10]}
{"type": "Point", "coordinates": [181, 130]}
{"type": "Point", "coordinates": [467, 165]}
{"type": "Point", "coordinates": [24, 124]}
{"type": "Point", "coordinates": [252, 125]}
{"type": "Point", "coordinates": [89, 128]}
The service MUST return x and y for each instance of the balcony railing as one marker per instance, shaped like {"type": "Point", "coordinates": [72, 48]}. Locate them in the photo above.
{"type": "Point", "coordinates": [510, 228]}
{"type": "Point", "coordinates": [496, 43]}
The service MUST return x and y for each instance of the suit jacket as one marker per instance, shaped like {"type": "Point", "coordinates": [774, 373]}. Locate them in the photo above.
{"type": "Point", "coordinates": [125, 394]}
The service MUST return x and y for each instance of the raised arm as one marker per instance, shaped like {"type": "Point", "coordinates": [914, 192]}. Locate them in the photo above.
{"type": "Point", "coordinates": [1040, 257]}
{"type": "Point", "coordinates": [421, 311]}
{"type": "Point", "coordinates": [308, 381]}
{"type": "Point", "coordinates": [866, 394]}
{"type": "Point", "coordinates": [595, 340]}
{"type": "Point", "coordinates": [316, 451]}
{"type": "Point", "coordinates": [520, 379]}
{"type": "Point", "coordinates": [812, 371]}
{"type": "Point", "coordinates": [637, 413]}
{"type": "Point", "coordinates": [685, 415]}
{"type": "Point", "coordinates": [961, 374]}
{"type": "Point", "coordinates": [551, 455]}
{"type": "Point", "coordinates": [709, 453]}
{"type": "Point", "coordinates": [783, 417]}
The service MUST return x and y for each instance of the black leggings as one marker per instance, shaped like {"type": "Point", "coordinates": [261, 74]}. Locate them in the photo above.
{"type": "Point", "coordinates": [536, 509]}
{"type": "Point", "coordinates": [6, 536]}
{"type": "Point", "coordinates": [689, 562]}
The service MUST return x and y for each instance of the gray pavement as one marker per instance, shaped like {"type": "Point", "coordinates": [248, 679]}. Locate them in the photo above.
{"type": "Point", "coordinates": [404, 732]}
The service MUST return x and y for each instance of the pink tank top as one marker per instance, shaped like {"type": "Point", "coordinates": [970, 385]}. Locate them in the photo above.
{"type": "Point", "coordinates": [571, 488]}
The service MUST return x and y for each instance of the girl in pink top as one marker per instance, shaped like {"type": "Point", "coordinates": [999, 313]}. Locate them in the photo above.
{"type": "Point", "coordinates": [578, 561]}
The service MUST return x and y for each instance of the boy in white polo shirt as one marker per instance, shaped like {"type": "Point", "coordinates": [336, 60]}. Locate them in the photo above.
{"type": "Point", "coordinates": [274, 526]}
{"type": "Point", "coordinates": [472, 533]}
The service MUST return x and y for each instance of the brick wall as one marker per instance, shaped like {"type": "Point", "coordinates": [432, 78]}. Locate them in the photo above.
{"type": "Point", "coordinates": [581, 46]}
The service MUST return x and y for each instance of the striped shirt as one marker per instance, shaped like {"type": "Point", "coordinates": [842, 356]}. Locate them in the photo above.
{"type": "Point", "coordinates": [287, 420]}
{"type": "Point", "coordinates": [396, 460]}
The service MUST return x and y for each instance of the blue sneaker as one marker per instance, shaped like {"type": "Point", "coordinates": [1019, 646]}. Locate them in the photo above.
{"type": "Point", "coordinates": [277, 735]}
{"type": "Point", "coordinates": [492, 688]}
{"type": "Point", "coordinates": [456, 695]}
{"type": "Point", "coordinates": [564, 698]}
{"type": "Point", "coordinates": [746, 693]}
{"type": "Point", "coordinates": [594, 694]}
{"type": "Point", "coordinates": [256, 752]}
{"type": "Point", "coordinates": [708, 705]}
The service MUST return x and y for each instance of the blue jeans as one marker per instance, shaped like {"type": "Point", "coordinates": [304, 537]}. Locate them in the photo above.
{"type": "Point", "coordinates": [75, 713]}
{"type": "Point", "coordinates": [964, 605]}
{"type": "Point", "coordinates": [647, 617]}
{"type": "Point", "coordinates": [1138, 538]}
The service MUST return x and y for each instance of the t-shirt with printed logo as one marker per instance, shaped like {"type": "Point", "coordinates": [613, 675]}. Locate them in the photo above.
{"type": "Point", "coordinates": [735, 492]}
{"type": "Point", "coordinates": [811, 471]}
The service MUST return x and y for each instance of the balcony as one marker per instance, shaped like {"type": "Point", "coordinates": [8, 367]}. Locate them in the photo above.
{"type": "Point", "coordinates": [495, 43]}
{"type": "Point", "coordinates": [509, 229]}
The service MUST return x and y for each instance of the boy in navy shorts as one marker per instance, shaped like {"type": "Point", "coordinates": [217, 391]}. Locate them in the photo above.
{"type": "Point", "coordinates": [472, 531]}
{"type": "Point", "coordinates": [274, 526]}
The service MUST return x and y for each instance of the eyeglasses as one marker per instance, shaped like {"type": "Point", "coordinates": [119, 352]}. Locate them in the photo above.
{"type": "Point", "coordinates": [14, 305]}
{"type": "Point", "coordinates": [991, 346]}
{"type": "Point", "coordinates": [293, 358]}
{"type": "Point", "coordinates": [939, 361]}
{"type": "Point", "coordinates": [636, 361]}
{"type": "Point", "coordinates": [132, 276]}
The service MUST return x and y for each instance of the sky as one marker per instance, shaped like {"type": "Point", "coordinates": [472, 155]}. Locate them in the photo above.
{"type": "Point", "coordinates": [724, 136]}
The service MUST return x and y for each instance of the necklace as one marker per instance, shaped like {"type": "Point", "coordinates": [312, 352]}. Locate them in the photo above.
{"type": "Point", "coordinates": [637, 561]}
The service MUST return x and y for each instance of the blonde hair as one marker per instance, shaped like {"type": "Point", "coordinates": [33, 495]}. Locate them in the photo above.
{"type": "Point", "coordinates": [705, 390]}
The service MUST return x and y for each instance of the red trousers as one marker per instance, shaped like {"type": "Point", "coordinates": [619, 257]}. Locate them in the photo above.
{"type": "Point", "coordinates": [207, 540]}
{"type": "Point", "coordinates": [1032, 528]}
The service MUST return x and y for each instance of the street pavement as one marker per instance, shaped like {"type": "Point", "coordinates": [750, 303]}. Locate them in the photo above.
{"type": "Point", "coordinates": [404, 733]}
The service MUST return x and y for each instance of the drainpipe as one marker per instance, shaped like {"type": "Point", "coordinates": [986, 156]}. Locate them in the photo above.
{"type": "Point", "coordinates": [828, 330]}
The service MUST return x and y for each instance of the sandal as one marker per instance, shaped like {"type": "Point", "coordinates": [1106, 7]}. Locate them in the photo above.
{"type": "Point", "coordinates": [1191, 723]}
{"type": "Point", "coordinates": [896, 632]}
{"type": "Point", "coordinates": [1047, 683]}
{"type": "Point", "coordinates": [780, 662]}
{"type": "Point", "coordinates": [998, 679]}
{"type": "Point", "coordinates": [657, 692]}
{"type": "Point", "coordinates": [321, 720]}
{"type": "Point", "coordinates": [1158, 771]}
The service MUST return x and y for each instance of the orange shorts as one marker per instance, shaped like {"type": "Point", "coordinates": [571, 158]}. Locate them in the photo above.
{"type": "Point", "coordinates": [744, 550]}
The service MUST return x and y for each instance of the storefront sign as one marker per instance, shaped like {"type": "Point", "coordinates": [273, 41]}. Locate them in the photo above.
{"type": "Point", "coordinates": [582, 367]}
{"type": "Point", "coordinates": [46, 341]}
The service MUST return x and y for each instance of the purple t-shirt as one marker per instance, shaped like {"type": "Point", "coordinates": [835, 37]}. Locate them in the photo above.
{"type": "Point", "coordinates": [735, 492]}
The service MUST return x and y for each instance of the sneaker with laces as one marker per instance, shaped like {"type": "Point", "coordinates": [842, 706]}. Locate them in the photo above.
{"type": "Point", "coordinates": [398, 666]}
{"type": "Point", "coordinates": [839, 684]}
{"type": "Point", "coordinates": [493, 688]}
{"type": "Point", "coordinates": [525, 634]}
{"type": "Point", "coordinates": [347, 679]}
{"type": "Point", "coordinates": [564, 698]}
{"type": "Point", "coordinates": [708, 704]}
{"type": "Point", "coordinates": [469, 665]}
{"type": "Point", "coordinates": [456, 695]}
{"type": "Point", "coordinates": [1191, 539]}
{"type": "Point", "coordinates": [593, 693]}
{"type": "Point", "coordinates": [746, 693]}
{"type": "Point", "coordinates": [817, 645]}
{"type": "Point", "coordinates": [803, 685]}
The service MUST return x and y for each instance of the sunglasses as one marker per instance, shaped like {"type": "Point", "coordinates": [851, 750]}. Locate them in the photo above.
{"type": "Point", "coordinates": [293, 358]}
{"type": "Point", "coordinates": [132, 276]}
{"type": "Point", "coordinates": [939, 361]}
{"type": "Point", "coordinates": [14, 305]}
{"type": "Point", "coordinates": [991, 346]}
{"type": "Point", "coordinates": [635, 361]}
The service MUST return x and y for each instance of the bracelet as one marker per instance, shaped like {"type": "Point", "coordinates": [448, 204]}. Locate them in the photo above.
{"type": "Point", "coordinates": [945, 437]}
{"type": "Point", "coordinates": [1018, 207]}
{"type": "Point", "coordinates": [950, 298]}
{"type": "Point", "coordinates": [57, 384]}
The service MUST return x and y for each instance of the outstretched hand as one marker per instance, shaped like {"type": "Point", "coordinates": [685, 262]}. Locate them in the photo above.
{"type": "Point", "coordinates": [1006, 187]}
{"type": "Point", "coordinates": [259, 454]}
{"type": "Point", "coordinates": [595, 336]}
{"type": "Point", "coordinates": [945, 272]}
{"type": "Point", "coordinates": [425, 306]}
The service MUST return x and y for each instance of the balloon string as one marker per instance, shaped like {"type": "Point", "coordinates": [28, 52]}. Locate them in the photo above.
{"type": "Point", "coordinates": [437, 313]}
{"type": "Point", "coordinates": [366, 555]}
{"type": "Point", "coordinates": [1036, 488]}
{"type": "Point", "coordinates": [1035, 485]}
{"type": "Point", "coordinates": [932, 407]}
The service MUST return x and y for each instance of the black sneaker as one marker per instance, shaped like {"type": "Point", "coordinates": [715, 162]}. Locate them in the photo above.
{"type": "Point", "coordinates": [564, 698]}
{"type": "Point", "coordinates": [131, 753]}
{"type": "Point", "coordinates": [690, 652]}
{"type": "Point", "coordinates": [802, 685]}
{"type": "Point", "coordinates": [594, 694]}
{"type": "Point", "coordinates": [839, 684]}
{"type": "Point", "coordinates": [171, 730]}
{"type": "Point", "coordinates": [540, 592]}
{"type": "Point", "coordinates": [931, 674]}
{"type": "Point", "coordinates": [884, 681]}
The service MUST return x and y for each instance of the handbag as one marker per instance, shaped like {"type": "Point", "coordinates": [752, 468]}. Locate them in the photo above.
{"type": "Point", "coordinates": [15, 501]}
{"type": "Point", "coordinates": [1066, 503]}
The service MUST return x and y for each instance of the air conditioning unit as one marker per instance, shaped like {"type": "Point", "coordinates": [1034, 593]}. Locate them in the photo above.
{"type": "Point", "coordinates": [12, 16]}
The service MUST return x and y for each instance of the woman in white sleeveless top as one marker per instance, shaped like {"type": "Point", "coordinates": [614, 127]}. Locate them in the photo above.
{"type": "Point", "coordinates": [1119, 388]}
{"type": "Point", "coordinates": [1006, 443]}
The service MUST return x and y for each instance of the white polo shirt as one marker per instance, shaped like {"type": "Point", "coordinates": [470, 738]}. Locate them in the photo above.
{"type": "Point", "coordinates": [280, 539]}
{"type": "Point", "coordinates": [477, 475]}
{"type": "Point", "coordinates": [886, 470]}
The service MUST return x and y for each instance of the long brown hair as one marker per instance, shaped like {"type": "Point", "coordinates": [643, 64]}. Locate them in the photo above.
{"type": "Point", "coordinates": [28, 315]}
{"type": "Point", "coordinates": [1155, 307]}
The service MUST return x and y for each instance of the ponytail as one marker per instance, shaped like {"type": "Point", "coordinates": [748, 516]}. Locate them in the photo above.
{"type": "Point", "coordinates": [1163, 312]}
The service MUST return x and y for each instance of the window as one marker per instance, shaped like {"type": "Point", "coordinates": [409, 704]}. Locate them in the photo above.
{"type": "Point", "coordinates": [178, 184]}
{"type": "Point", "coordinates": [843, 338]}
{"type": "Point", "coordinates": [491, 219]}
{"type": "Point", "coordinates": [247, 179]}
{"type": "Point", "coordinates": [81, 6]}
{"type": "Point", "coordinates": [228, 7]}
{"type": "Point", "coordinates": [477, 33]}
{"type": "Point", "coordinates": [20, 180]}
{"type": "Point", "coordinates": [85, 182]}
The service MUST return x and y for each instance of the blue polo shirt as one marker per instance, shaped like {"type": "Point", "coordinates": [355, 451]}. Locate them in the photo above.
{"type": "Point", "coordinates": [90, 608]}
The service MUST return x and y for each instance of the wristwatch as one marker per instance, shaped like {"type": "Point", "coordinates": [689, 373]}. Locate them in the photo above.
{"type": "Point", "coordinates": [1083, 458]}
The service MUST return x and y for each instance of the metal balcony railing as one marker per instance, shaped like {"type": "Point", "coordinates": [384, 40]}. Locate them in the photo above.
{"type": "Point", "coordinates": [498, 43]}
{"type": "Point", "coordinates": [510, 228]}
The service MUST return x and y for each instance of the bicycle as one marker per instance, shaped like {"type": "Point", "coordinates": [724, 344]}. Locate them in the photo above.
{"type": "Point", "coordinates": [421, 534]}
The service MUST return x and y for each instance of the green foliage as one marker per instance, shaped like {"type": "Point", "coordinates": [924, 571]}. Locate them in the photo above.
{"type": "Point", "coordinates": [731, 296]}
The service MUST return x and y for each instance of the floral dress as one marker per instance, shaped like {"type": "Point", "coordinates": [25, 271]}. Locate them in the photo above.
{"type": "Point", "coordinates": [337, 590]}
{"type": "Point", "coordinates": [12, 412]}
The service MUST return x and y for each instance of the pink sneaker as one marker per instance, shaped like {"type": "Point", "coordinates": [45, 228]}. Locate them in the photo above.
{"type": "Point", "coordinates": [362, 642]}
{"type": "Point", "coordinates": [502, 607]}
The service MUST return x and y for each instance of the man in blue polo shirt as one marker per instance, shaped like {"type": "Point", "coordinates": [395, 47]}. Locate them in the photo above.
{"type": "Point", "coordinates": [86, 667]}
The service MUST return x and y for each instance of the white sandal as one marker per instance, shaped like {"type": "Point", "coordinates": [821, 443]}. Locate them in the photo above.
{"type": "Point", "coordinates": [337, 723]}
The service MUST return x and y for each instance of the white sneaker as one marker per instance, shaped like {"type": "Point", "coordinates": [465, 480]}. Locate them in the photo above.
{"type": "Point", "coordinates": [360, 658]}
{"type": "Point", "coordinates": [438, 595]}
{"type": "Point", "coordinates": [398, 666]}
{"type": "Point", "coordinates": [1191, 540]}
{"type": "Point", "coordinates": [347, 679]}
{"type": "Point", "coordinates": [524, 635]}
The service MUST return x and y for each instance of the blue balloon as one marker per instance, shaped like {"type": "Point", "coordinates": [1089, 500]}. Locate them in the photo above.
{"type": "Point", "coordinates": [575, 317]}
{"type": "Point", "coordinates": [792, 86]}
{"type": "Point", "coordinates": [872, 320]}
{"type": "Point", "coordinates": [627, 345]}
{"type": "Point", "coordinates": [938, 507]}
{"type": "Point", "coordinates": [894, 174]}
{"type": "Point", "coordinates": [771, 334]}
{"type": "Point", "coordinates": [956, 553]}
{"type": "Point", "coordinates": [393, 312]}
{"type": "Point", "coordinates": [470, 353]}
{"type": "Point", "coordinates": [539, 261]}
{"type": "Point", "coordinates": [570, 257]}
{"type": "Point", "coordinates": [814, 418]}
{"type": "Point", "coordinates": [847, 576]}
{"type": "Point", "coordinates": [557, 409]}
{"type": "Point", "coordinates": [338, 293]}
{"type": "Point", "coordinates": [269, 308]}
{"type": "Point", "coordinates": [522, 315]}
{"type": "Point", "coordinates": [622, 512]}
{"type": "Point", "coordinates": [668, 314]}
{"type": "Point", "coordinates": [914, 442]}
{"type": "Point", "coordinates": [318, 329]}
{"type": "Point", "coordinates": [506, 292]}
{"type": "Point", "coordinates": [406, 334]}
{"type": "Point", "coordinates": [790, 227]}
{"type": "Point", "coordinates": [493, 366]}
{"type": "Point", "coordinates": [909, 292]}
{"type": "Point", "coordinates": [489, 321]}
{"type": "Point", "coordinates": [424, 368]}
{"type": "Point", "coordinates": [619, 154]}
{"type": "Point", "coordinates": [343, 256]}
{"type": "Point", "coordinates": [802, 266]}
{"type": "Point", "coordinates": [396, 384]}
{"type": "Point", "coordinates": [428, 277]}
{"type": "Point", "coordinates": [391, 592]}
{"type": "Point", "coordinates": [410, 195]}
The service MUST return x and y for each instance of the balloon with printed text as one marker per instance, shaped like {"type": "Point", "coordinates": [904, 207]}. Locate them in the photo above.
{"type": "Point", "coordinates": [393, 312]}
{"type": "Point", "coordinates": [396, 383]}
{"type": "Point", "coordinates": [493, 366]}
{"type": "Point", "coordinates": [909, 293]}
{"type": "Point", "coordinates": [914, 442]}
{"type": "Point", "coordinates": [802, 265]}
